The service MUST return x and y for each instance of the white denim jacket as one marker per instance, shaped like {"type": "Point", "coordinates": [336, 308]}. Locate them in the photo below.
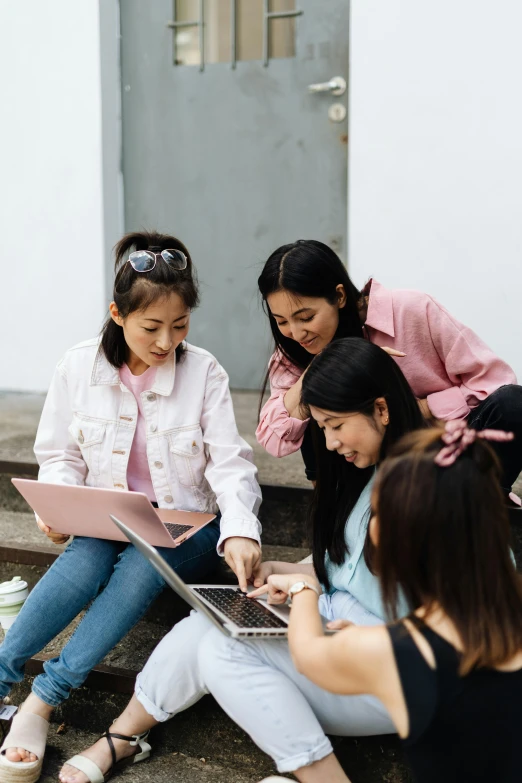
{"type": "Point", "coordinates": [197, 460]}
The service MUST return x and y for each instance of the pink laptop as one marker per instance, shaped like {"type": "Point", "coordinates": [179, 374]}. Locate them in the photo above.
{"type": "Point", "coordinates": [84, 511]}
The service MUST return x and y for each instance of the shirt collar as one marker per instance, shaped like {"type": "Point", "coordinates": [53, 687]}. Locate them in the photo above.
{"type": "Point", "coordinates": [104, 374]}
{"type": "Point", "coordinates": [380, 309]}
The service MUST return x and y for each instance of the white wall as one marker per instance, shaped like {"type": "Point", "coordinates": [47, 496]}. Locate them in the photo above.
{"type": "Point", "coordinates": [435, 169]}
{"type": "Point", "coordinates": [51, 195]}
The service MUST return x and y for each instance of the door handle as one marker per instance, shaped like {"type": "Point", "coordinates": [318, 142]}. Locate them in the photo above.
{"type": "Point", "coordinates": [336, 86]}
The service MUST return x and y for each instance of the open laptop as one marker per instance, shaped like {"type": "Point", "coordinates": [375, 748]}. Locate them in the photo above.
{"type": "Point", "coordinates": [225, 606]}
{"type": "Point", "coordinates": [84, 511]}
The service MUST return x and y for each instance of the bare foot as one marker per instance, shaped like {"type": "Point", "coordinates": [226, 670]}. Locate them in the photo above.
{"type": "Point", "coordinates": [100, 753]}
{"type": "Point", "coordinates": [37, 707]}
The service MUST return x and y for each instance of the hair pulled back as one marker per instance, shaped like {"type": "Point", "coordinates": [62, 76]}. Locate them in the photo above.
{"type": "Point", "coordinates": [444, 539]}
{"type": "Point", "coordinates": [348, 377]}
{"type": "Point", "coordinates": [135, 291]}
{"type": "Point", "coordinates": [309, 268]}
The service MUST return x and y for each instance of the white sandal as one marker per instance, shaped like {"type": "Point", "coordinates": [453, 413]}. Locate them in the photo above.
{"type": "Point", "coordinates": [92, 770]}
{"type": "Point", "coordinates": [28, 731]}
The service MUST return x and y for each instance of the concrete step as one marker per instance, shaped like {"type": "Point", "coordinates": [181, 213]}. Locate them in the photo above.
{"type": "Point", "coordinates": [283, 512]}
{"type": "Point", "coordinates": [202, 744]}
{"type": "Point", "coordinates": [19, 529]}
{"type": "Point", "coordinates": [286, 492]}
{"type": "Point", "coordinates": [20, 414]}
{"type": "Point", "coordinates": [163, 767]}
{"type": "Point", "coordinates": [203, 732]}
{"type": "Point", "coordinates": [25, 551]}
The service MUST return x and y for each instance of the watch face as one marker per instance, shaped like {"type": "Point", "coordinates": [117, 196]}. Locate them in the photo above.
{"type": "Point", "coordinates": [297, 587]}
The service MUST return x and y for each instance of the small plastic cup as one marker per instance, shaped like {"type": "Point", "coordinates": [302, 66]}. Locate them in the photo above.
{"type": "Point", "coordinates": [12, 598]}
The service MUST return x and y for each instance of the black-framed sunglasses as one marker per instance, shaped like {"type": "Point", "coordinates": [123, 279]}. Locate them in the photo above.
{"type": "Point", "coordinates": [145, 260]}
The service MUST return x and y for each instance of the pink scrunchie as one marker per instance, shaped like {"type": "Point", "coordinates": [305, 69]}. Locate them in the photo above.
{"type": "Point", "coordinates": [458, 437]}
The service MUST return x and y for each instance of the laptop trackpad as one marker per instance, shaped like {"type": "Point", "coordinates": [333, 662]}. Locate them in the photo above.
{"type": "Point", "coordinates": [281, 610]}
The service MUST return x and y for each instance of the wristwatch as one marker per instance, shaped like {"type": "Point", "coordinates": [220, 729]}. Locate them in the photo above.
{"type": "Point", "coordinates": [299, 587]}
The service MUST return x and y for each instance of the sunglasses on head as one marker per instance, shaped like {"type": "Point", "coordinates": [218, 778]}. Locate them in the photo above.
{"type": "Point", "coordinates": [145, 260]}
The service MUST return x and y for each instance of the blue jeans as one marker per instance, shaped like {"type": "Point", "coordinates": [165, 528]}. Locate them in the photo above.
{"type": "Point", "coordinates": [122, 583]}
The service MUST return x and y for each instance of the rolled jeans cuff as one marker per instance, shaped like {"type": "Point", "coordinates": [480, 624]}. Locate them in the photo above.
{"type": "Point", "coordinates": [291, 763]}
{"type": "Point", "coordinates": [155, 712]}
{"type": "Point", "coordinates": [44, 696]}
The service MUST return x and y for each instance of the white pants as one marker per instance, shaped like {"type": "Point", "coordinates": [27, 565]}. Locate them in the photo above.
{"type": "Point", "coordinates": [256, 683]}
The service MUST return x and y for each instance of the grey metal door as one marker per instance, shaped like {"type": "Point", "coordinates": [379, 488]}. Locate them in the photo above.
{"type": "Point", "coordinates": [226, 146]}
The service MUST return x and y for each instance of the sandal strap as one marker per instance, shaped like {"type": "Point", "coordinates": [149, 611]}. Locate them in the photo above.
{"type": "Point", "coordinates": [133, 740]}
{"type": "Point", "coordinates": [27, 731]}
{"type": "Point", "coordinates": [88, 767]}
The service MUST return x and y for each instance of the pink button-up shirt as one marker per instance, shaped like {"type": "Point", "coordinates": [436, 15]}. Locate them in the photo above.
{"type": "Point", "coordinates": [445, 362]}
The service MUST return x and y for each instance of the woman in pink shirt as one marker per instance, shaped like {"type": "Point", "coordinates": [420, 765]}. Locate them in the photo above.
{"type": "Point", "coordinates": [310, 301]}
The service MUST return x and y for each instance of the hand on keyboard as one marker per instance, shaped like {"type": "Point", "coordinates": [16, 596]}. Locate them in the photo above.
{"type": "Point", "coordinates": [236, 606]}
{"type": "Point", "coordinates": [243, 555]}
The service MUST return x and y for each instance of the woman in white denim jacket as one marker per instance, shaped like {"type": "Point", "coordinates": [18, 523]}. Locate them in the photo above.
{"type": "Point", "coordinates": [139, 409]}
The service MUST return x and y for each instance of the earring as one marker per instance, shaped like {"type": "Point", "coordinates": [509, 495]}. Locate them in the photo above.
{"type": "Point", "coordinates": [386, 420]}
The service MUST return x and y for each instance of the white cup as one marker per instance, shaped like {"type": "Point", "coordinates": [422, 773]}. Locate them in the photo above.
{"type": "Point", "coordinates": [12, 597]}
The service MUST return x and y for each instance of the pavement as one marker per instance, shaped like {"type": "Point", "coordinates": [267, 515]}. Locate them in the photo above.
{"type": "Point", "coordinates": [20, 413]}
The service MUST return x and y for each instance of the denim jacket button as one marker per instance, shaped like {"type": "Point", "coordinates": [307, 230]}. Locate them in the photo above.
{"type": "Point", "coordinates": [168, 498]}
{"type": "Point", "coordinates": [151, 397]}
{"type": "Point", "coordinates": [153, 428]}
{"type": "Point", "coordinates": [158, 464]}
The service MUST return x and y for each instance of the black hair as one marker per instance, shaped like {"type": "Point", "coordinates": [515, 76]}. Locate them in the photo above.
{"type": "Point", "coordinates": [134, 291]}
{"type": "Point", "coordinates": [349, 375]}
{"type": "Point", "coordinates": [308, 268]}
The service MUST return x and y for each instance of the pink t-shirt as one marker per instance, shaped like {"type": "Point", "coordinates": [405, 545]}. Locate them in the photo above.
{"type": "Point", "coordinates": [138, 472]}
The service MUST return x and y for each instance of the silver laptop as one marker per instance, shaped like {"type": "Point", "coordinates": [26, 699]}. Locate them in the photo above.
{"type": "Point", "coordinates": [225, 606]}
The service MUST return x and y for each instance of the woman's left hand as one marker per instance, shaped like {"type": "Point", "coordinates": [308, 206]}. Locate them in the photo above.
{"type": "Point", "coordinates": [393, 351]}
{"type": "Point", "coordinates": [243, 555]}
{"type": "Point", "coordinates": [278, 585]}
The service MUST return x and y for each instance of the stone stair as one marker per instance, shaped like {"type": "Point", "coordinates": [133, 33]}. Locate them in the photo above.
{"type": "Point", "coordinates": [201, 744]}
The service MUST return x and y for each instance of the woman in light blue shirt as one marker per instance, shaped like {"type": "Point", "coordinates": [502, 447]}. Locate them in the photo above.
{"type": "Point", "coordinates": [358, 396]}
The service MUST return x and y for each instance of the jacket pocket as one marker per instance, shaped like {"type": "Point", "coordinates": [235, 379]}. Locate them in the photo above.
{"type": "Point", "coordinates": [189, 456]}
{"type": "Point", "coordinates": [88, 436]}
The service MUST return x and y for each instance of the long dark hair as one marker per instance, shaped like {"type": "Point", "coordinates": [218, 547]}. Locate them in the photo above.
{"type": "Point", "coordinates": [136, 291]}
{"type": "Point", "coordinates": [308, 268]}
{"type": "Point", "coordinates": [444, 539]}
{"type": "Point", "coordinates": [349, 376]}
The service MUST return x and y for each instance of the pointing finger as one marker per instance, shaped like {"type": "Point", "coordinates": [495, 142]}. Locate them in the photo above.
{"type": "Point", "coordinates": [260, 591]}
{"type": "Point", "coordinates": [241, 576]}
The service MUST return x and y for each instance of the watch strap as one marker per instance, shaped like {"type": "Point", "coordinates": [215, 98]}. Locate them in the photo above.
{"type": "Point", "coordinates": [306, 586]}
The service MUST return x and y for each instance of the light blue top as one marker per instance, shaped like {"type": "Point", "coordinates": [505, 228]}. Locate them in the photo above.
{"type": "Point", "coordinates": [353, 575]}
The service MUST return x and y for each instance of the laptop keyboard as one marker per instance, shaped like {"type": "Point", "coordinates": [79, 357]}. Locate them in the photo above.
{"type": "Point", "coordinates": [237, 607]}
{"type": "Point", "coordinates": [177, 530]}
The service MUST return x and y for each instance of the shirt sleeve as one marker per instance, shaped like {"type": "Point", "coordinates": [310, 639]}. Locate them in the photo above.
{"type": "Point", "coordinates": [58, 454]}
{"type": "Point", "coordinates": [473, 369]}
{"type": "Point", "coordinates": [278, 432]}
{"type": "Point", "coordinates": [230, 469]}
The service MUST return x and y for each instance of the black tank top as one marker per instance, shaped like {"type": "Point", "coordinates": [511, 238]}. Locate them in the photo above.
{"type": "Point", "coordinates": [462, 729]}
